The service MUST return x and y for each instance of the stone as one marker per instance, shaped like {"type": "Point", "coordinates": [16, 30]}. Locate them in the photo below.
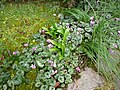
{"type": "Point", "coordinates": [89, 80]}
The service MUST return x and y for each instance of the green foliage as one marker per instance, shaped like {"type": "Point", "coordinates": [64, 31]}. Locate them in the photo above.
{"type": "Point", "coordinates": [79, 15]}
{"type": "Point", "coordinates": [104, 37]}
{"type": "Point", "coordinates": [68, 35]}
{"type": "Point", "coordinates": [60, 34]}
{"type": "Point", "coordinates": [57, 54]}
{"type": "Point", "coordinates": [18, 21]}
{"type": "Point", "coordinates": [97, 49]}
{"type": "Point", "coordinates": [50, 67]}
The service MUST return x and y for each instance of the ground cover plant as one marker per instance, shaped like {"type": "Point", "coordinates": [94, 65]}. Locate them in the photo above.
{"type": "Point", "coordinates": [105, 35]}
{"type": "Point", "coordinates": [62, 49]}
{"type": "Point", "coordinates": [47, 58]}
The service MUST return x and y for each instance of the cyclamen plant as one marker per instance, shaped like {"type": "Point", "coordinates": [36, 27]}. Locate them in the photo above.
{"type": "Point", "coordinates": [53, 72]}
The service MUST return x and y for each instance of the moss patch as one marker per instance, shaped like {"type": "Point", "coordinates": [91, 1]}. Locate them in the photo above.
{"type": "Point", "coordinates": [18, 21]}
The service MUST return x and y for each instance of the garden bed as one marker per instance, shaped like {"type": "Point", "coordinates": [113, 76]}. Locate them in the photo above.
{"type": "Point", "coordinates": [45, 49]}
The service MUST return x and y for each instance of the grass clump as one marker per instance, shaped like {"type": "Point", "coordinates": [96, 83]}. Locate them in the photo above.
{"type": "Point", "coordinates": [105, 36]}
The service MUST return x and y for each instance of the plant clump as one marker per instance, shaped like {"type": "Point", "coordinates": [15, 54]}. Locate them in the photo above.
{"type": "Point", "coordinates": [53, 61]}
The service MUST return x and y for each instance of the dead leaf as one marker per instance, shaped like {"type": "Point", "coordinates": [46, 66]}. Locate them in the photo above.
{"type": "Point", "coordinates": [57, 84]}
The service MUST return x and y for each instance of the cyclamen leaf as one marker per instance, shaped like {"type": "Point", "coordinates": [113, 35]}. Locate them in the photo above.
{"type": "Point", "coordinates": [47, 74]}
{"type": "Point", "coordinates": [59, 88]}
{"type": "Point", "coordinates": [44, 87]}
{"type": "Point", "coordinates": [38, 84]}
{"type": "Point", "coordinates": [39, 64]}
{"type": "Point", "coordinates": [52, 82]}
{"type": "Point", "coordinates": [62, 85]}
{"type": "Point", "coordinates": [4, 87]}
{"type": "Point", "coordinates": [17, 80]}
{"type": "Point", "coordinates": [51, 88]}
{"type": "Point", "coordinates": [10, 83]}
{"type": "Point", "coordinates": [68, 76]}
{"type": "Point", "coordinates": [61, 79]}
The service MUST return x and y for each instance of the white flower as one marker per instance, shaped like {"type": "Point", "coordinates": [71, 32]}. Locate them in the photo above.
{"type": "Point", "coordinates": [54, 14]}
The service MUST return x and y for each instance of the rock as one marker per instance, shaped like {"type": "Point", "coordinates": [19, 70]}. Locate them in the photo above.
{"type": "Point", "coordinates": [89, 81]}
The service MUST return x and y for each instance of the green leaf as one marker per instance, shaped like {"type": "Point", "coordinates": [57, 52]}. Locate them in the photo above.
{"type": "Point", "coordinates": [54, 42]}
{"type": "Point", "coordinates": [60, 55]}
{"type": "Point", "coordinates": [44, 87]}
{"type": "Point", "coordinates": [51, 88]}
{"type": "Point", "coordinates": [83, 15]}
{"type": "Point", "coordinates": [71, 70]}
{"type": "Point", "coordinates": [47, 74]}
{"type": "Point", "coordinates": [63, 49]}
{"type": "Point", "coordinates": [38, 84]}
{"type": "Point", "coordinates": [65, 35]}
{"type": "Point", "coordinates": [68, 76]}
{"type": "Point", "coordinates": [73, 14]}
{"type": "Point", "coordinates": [79, 15]}
{"type": "Point", "coordinates": [55, 25]}
{"type": "Point", "coordinates": [54, 49]}
{"type": "Point", "coordinates": [62, 85]}
{"type": "Point", "coordinates": [4, 87]}
{"type": "Point", "coordinates": [17, 80]}
{"type": "Point", "coordinates": [49, 33]}
{"type": "Point", "coordinates": [52, 82]}
{"type": "Point", "coordinates": [61, 79]}
{"type": "Point", "coordinates": [61, 31]}
{"type": "Point", "coordinates": [40, 64]}
{"type": "Point", "coordinates": [44, 28]}
{"type": "Point", "coordinates": [59, 89]}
